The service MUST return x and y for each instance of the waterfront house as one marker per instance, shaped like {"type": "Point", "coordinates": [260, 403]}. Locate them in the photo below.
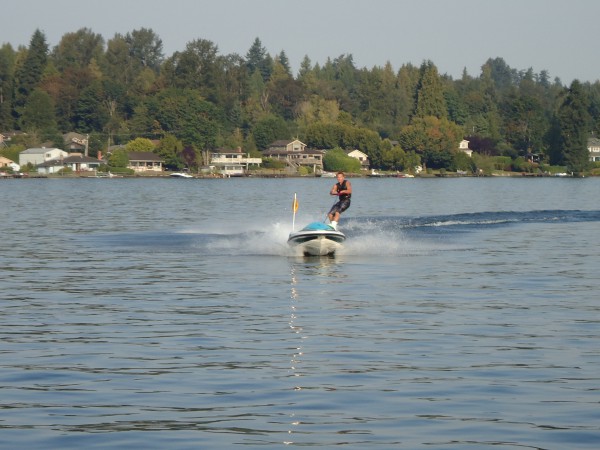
{"type": "Point", "coordinates": [362, 157]}
{"type": "Point", "coordinates": [464, 147]}
{"type": "Point", "coordinates": [232, 163]}
{"type": "Point", "coordinates": [141, 162]}
{"type": "Point", "coordinates": [594, 149]}
{"type": "Point", "coordinates": [295, 154]}
{"type": "Point", "coordinates": [75, 142]}
{"type": "Point", "coordinates": [36, 156]}
{"type": "Point", "coordinates": [75, 161]}
{"type": "Point", "coordinates": [5, 162]}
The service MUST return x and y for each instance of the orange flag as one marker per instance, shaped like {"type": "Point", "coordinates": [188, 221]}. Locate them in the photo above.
{"type": "Point", "coordinates": [295, 204]}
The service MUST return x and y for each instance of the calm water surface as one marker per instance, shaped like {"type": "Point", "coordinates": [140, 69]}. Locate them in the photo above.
{"type": "Point", "coordinates": [152, 314]}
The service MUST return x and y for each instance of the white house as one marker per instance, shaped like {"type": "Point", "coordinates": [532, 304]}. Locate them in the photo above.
{"type": "Point", "coordinates": [295, 154]}
{"type": "Point", "coordinates": [594, 149]}
{"type": "Point", "coordinates": [464, 147]}
{"type": "Point", "coordinates": [362, 157]}
{"type": "Point", "coordinates": [232, 163]}
{"type": "Point", "coordinates": [145, 162]}
{"type": "Point", "coordinates": [75, 161]}
{"type": "Point", "coordinates": [36, 156]}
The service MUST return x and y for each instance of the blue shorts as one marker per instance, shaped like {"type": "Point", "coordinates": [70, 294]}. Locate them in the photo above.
{"type": "Point", "coordinates": [340, 206]}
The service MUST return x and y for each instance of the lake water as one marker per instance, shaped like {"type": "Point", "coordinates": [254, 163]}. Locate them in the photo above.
{"type": "Point", "coordinates": [170, 313]}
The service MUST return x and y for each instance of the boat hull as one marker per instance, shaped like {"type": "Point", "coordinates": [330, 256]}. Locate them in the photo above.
{"type": "Point", "coordinates": [317, 239]}
{"type": "Point", "coordinates": [180, 175]}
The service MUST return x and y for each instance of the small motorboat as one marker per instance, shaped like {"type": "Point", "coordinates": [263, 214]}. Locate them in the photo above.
{"type": "Point", "coordinates": [317, 239]}
{"type": "Point", "coordinates": [180, 175]}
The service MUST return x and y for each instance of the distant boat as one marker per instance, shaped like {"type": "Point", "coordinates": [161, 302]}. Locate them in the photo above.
{"type": "Point", "coordinates": [376, 174]}
{"type": "Point", "coordinates": [181, 175]}
{"type": "Point", "coordinates": [317, 239]}
{"type": "Point", "coordinates": [328, 174]}
{"type": "Point", "coordinates": [104, 175]}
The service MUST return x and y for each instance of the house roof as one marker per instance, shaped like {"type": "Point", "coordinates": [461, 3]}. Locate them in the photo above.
{"type": "Point", "coordinates": [228, 150]}
{"type": "Point", "coordinates": [80, 159]}
{"type": "Point", "coordinates": [72, 159]}
{"type": "Point", "coordinates": [306, 151]}
{"type": "Point", "coordinates": [595, 142]}
{"type": "Point", "coordinates": [280, 143]}
{"type": "Point", "coordinates": [38, 151]}
{"type": "Point", "coordinates": [144, 156]}
{"type": "Point", "coordinates": [70, 135]}
{"type": "Point", "coordinates": [355, 150]}
{"type": "Point", "coordinates": [52, 163]}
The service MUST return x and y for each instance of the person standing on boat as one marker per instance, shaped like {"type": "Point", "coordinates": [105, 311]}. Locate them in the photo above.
{"type": "Point", "coordinates": [343, 189]}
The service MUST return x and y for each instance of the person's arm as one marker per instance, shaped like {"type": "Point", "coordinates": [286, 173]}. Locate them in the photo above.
{"type": "Point", "coordinates": [334, 190]}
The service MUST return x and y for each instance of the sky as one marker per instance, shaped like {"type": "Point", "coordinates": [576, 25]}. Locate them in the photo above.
{"type": "Point", "coordinates": [559, 36]}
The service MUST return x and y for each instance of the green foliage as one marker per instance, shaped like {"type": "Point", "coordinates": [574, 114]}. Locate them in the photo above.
{"type": "Point", "coordinates": [118, 158]}
{"type": "Point", "coordinates": [574, 122]}
{"type": "Point", "coordinates": [169, 148]}
{"type": "Point", "coordinates": [430, 93]}
{"type": "Point", "coordinates": [258, 60]}
{"type": "Point", "coordinates": [269, 129]}
{"type": "Point", "coordinates": [337, 160]}
{"type": "Point", "coordinates": [126, 88]}
{"type": "Point", "coordinates": [520, 164]}
{"type": "Point", "coordinates": [434, 139]}
{"type": "Point", "coordinates": [91, 111]}
{"type": "Point", "coordinates": [79, 49]}
{"type": "Point", "coordinates": [29, 74]}
{"type": "Point", "coordinates": [7, 69]}
{"type": "Point", "coordinates": [330, 135]}
{"type": "Point", "coordinates": [38, 113]}
{"type": "Point", "coordinates": [484, 164]}
{"type": "Point", "coordinates": [191, 157]}
{"type": "Point", "coordinates": [183, 113]}
{"type": "Point", "coordinates": [462, 161]}
{"type": "Point", "coordinates": [304, 170]}
{"type": "Point", "coordinates": [12, 152]}
{"type": "Point", "coordinates": [502, 163]}
{"type": "Point", "coordinates": [140, 145]}
{"type": "Point", "coordinates": [272, 163]}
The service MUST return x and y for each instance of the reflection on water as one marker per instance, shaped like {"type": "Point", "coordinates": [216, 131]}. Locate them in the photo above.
{"type": "Point", "coordinates": [136, 326]}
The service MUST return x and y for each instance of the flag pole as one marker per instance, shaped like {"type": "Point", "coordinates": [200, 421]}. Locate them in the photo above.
{"type": "Point", "coordinates": [294, 208]}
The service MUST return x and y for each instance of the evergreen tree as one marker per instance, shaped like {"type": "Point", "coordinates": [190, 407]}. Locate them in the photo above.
{"type": "Point", "coordinates": [430, 93]}
{"type": "Point", "coordinates": [7, 69]}
{"type": "Point", "coordinates": [91, 111]}
{"type": "Point", "coordinates": [30, 73]}
{"type": "Point", "coordinates": [257, 59]}
{"type": "Point", "coordinates": [574, 122]}
{"type": "Point", "coordinates": [285, 62]}
{"type": "Point", "coordinates": [502, 75]}
{"type": "Point", "coordinates": [305, 67]}
{"type": "Point", "coordinates": [39, 116]}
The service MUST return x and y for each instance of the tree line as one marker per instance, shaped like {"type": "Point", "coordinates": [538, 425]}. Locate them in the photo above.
{"type": "Point", "coordinates": [198, 100]}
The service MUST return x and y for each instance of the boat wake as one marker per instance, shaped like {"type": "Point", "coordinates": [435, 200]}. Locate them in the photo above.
{"type": "Point", "coordinates": [367, 236]}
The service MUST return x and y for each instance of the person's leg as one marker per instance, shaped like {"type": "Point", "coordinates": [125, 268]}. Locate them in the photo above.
{"type": "Point", "coordinates": [334, 219]}
{"type": "Point", "coordinates": [333, 212]}
{"type": "Point", "coordinates": [341, 207]}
